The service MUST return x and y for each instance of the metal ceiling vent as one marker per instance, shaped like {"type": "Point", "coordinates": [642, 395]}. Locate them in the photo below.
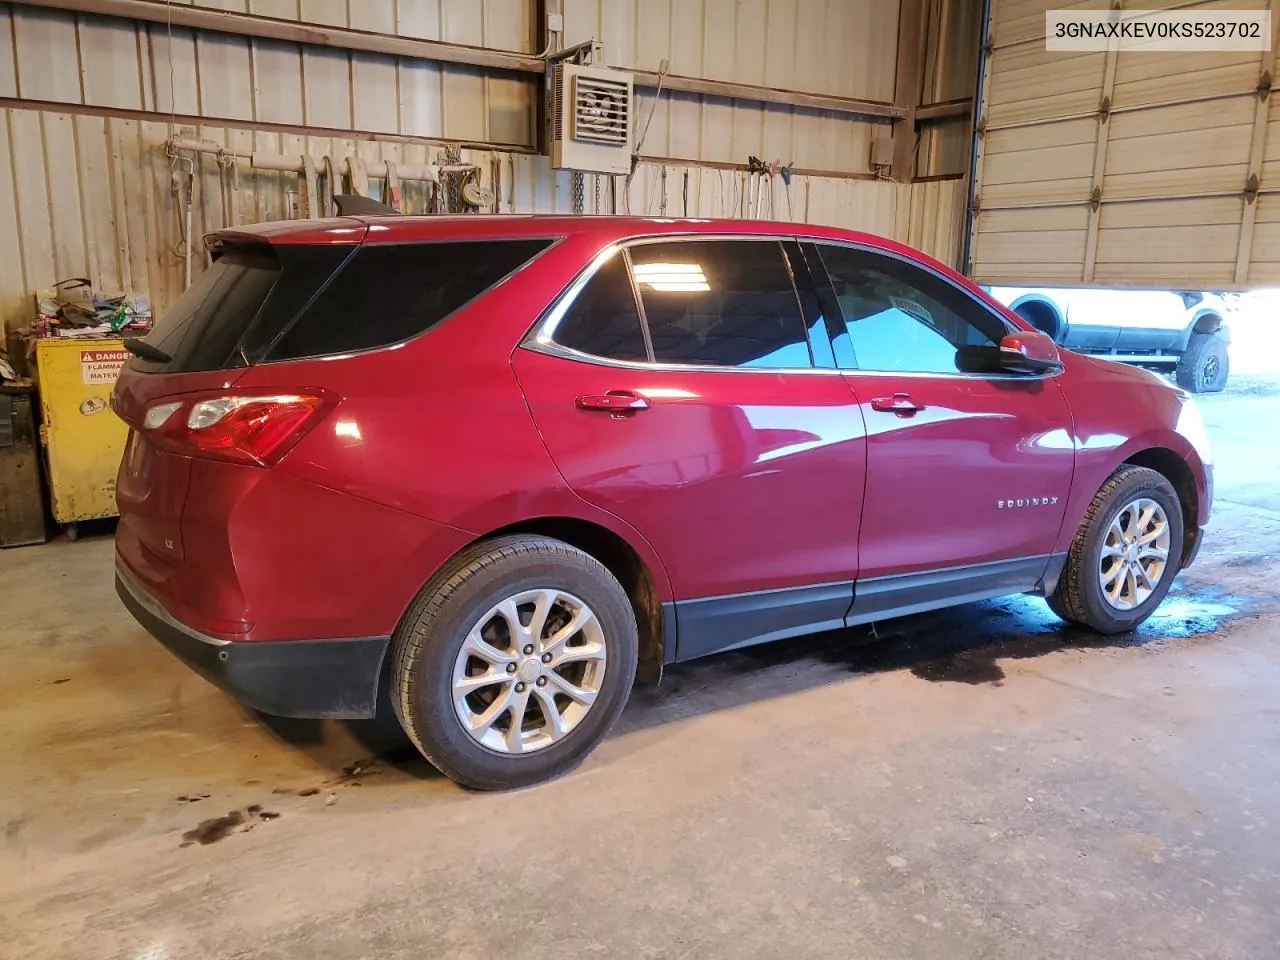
{"type": "Point", "coordinates": [591, 119]}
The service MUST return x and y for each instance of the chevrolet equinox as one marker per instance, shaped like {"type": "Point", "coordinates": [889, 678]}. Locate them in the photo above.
{"type": "Point", "coordinates": [497, 467]}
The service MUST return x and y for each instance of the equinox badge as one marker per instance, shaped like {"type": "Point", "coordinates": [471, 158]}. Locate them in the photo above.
{"type": "Point", "coordinates": [1026, 502]}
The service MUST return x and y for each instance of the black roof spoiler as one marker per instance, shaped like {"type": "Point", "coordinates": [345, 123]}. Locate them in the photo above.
{"type": "Point", "coordinates": [354, 205]}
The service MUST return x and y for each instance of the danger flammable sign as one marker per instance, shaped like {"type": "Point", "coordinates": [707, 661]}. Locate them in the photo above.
{"type": "Point", "coordinates": [101, 366]}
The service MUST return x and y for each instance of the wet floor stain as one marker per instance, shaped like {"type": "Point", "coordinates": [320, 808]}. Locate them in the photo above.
{"type": "Point", "coordinates": [1250, 560]}
{"type": "Point", "coordinates": [361, 768]}
{"type": "Point", "coordinates": [212, 830]}
{"type": "Point", "coordinates": [219, 828]}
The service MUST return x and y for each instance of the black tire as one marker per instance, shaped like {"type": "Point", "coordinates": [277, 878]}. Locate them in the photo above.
{"type": "Point", "coordinates": [431, 634]}
{"type": "Point", "coordinates": [1078, 597]}
{"type": "Point", "coordinates": [1203, 367]}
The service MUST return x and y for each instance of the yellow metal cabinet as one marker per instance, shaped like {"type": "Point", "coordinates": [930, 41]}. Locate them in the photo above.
{"type": "Point", "coordinates": [83, 439]}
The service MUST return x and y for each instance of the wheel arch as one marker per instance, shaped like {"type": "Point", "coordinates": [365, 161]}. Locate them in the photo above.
{"type": "Point", "coordinates": [1207, 320]}
{"type": "Point", "coordinates": [655, 619]}
{"type": "Point", "coordinates": [1176, 470]}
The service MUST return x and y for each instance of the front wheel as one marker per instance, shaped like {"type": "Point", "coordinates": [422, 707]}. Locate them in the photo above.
{"type": "Point", "coordinates": [514, 661]}
{"type": "Point", "coordinates": [1203, 367]}
{"type": "Point", "coordinates": [1125, 554]}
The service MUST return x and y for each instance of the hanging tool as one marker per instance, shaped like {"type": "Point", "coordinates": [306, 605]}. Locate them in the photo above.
{"type": "Point", "coordinates": [786, 179]}
{"type": "Point", "coordinates": [326, 197]}
{"type": "Point", "coordinates": [359, 176]}
{"type": "Point", "coordinates": [391, 195]}
{"type": "Point", "coordinates": [755, 167]}
{"type": "Point", "coordinates": [311, 206]}
{"type": "Point", "coordinates": [684, 212]}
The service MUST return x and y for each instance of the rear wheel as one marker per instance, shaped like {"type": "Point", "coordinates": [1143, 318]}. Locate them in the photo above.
{"type": "Point", "coordinates": [514, 662]}
{"type": "Point", "coordinates": [1125, 554]}
{"type": "Point", "coordinates": [1203, 367]}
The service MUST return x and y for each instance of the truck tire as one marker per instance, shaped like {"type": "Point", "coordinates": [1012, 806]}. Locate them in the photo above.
{"type": "Point", "coordinates": [1203, 366]}
{"type": "Point", "coordinates": [514, 661]}
{"type": "Point", "coordinates": [1125, 554]}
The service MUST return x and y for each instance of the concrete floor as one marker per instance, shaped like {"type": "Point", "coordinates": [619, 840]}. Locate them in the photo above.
{"type": "Point", "coordinates": [983, 783]}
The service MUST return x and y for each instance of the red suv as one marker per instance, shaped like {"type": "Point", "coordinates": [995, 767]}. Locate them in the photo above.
{"type": "Point", "coordinates": [502, 464]}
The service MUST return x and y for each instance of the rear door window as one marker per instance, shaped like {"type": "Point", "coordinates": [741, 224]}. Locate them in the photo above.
{"type": "Point", "coordinates": [721, 303]}
{"type": "Point", "coordinates": [387, 293]}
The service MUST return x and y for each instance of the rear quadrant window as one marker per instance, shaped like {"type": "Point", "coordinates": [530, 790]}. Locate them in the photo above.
{"type": "Point", "coordinates": [603, 320]}
{"type": "Point", "coordinates": [387, 293]}
{"type": "Point", "coordinates": [722, 303]}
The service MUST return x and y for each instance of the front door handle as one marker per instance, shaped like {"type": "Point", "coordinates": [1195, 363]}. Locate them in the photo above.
{"type": "Point", "coordinates": [617, 402]}
{"type": "Point", "coordinates": [899, 403]}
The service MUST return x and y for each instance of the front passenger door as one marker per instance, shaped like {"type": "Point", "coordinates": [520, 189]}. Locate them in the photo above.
{"type": "Point", "coordinates": [967, 473]}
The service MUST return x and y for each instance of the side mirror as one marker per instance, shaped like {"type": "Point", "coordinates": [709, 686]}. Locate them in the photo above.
{"type": "Point", "coordinates": [1029, 351]}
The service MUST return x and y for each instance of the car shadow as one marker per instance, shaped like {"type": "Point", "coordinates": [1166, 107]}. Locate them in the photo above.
{"type": "Point", "coordinates": [957, 645]}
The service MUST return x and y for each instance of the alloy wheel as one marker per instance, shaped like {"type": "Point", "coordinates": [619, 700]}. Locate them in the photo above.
{"type": "Point", "coordinates": [1210, 371]}
{"type": "Point", "coordinates": [1135, 554]}
{"type": "Point", "coordinates": [529, 671]}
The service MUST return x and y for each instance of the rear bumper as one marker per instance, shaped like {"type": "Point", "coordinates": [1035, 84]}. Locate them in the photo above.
{"type": "Point", "coordinates": [294, 678]}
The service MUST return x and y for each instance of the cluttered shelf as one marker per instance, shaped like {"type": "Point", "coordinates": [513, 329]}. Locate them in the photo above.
{"type": "Point", "coordinates": [72, 308]}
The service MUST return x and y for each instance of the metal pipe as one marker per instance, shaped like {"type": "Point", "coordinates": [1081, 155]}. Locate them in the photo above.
{"type": "Point", "coordinates": [260, 160]}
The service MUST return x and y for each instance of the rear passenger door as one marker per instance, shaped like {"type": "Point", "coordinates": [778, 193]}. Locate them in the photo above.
{"type": "Point", "coordinates": [676, 387]}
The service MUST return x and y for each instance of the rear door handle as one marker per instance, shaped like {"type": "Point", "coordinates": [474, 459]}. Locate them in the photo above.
{"type": "Point", "coordinates": [899, 403]}
{"type": "Point", "coordinates": [615, 402]}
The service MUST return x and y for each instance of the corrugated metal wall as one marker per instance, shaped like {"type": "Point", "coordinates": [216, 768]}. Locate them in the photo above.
{"type": "Point", "coordinates": [842, 47]}
{"type": "Point", "coordinates": [107, 62]}
{"type": "Point", "coordinates": [85, 186]}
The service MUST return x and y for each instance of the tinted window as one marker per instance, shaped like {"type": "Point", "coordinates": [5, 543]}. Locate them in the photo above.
{"type": "Point", "coordinates": [200, 331]}
{"type": "Point", "coordinates": [900, 317]}
{"type": "Point", "coordinates": [603, 320]}
{"type": "Point", "coordinates": [387, 293]}
{"type": "Point", "coordinates": [724, 303]}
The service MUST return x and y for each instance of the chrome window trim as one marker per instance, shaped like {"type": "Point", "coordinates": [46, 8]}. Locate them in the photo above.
{"type": "Point", "coordinates": [542, 339]}
{"type": "Point", "coordinates": [968, 294]}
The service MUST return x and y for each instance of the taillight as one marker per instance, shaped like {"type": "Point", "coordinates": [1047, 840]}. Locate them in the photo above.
{"type": "Point", "coordinates": [255, 429]}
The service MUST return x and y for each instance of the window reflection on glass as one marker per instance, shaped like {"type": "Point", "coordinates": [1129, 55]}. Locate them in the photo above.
{"type": "Point", "coordinates": [724, 303]}
{"type": "Point", "coordinates": [672, 277]}
{"type": "Point", "coordinates": [901, 318]}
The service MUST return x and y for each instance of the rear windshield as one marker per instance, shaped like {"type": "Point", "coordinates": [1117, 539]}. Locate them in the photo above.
{"type": "Point", "coordinates": [260, 303]}
{"type": "Point", "coordinates": [205, 325]}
